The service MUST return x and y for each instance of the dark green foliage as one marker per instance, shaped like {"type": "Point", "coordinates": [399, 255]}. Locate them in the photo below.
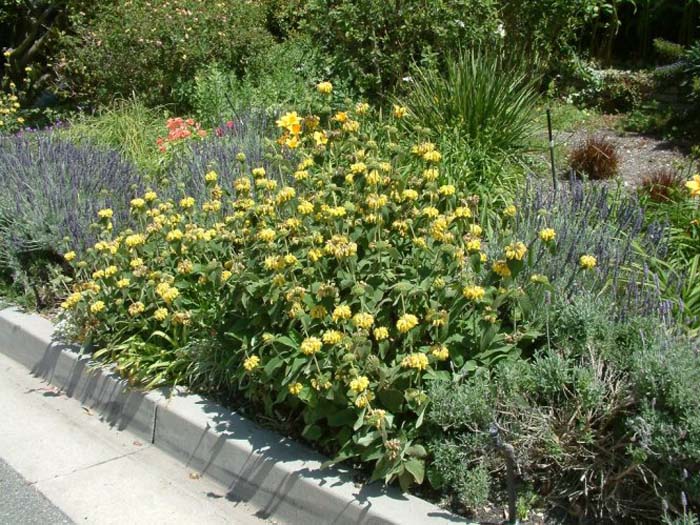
{"type": "Point", "coordinates": [551, 28]}
{"type": "Point", "coordinates": [668, 51]}
{"type": "Point", "coordinates": [29, 29]}
{"type": "Point", "coordinates": [150, 48]}
{"type": "Point", "coordinates": [374, 42]}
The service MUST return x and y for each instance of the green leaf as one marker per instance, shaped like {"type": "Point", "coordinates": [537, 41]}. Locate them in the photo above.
{"type": "Point", "coordinates": [272, 365]}
{"type": "Point", "coordinates": [294, 368]}
{"type": "Point", "coordinates": [391, 399]}
{"type": "Point", "coordinates": [417, 451]}
{"type": "Point", "coordinates": [342, 456]}
{"type": "Point", "coordinates": [487, 337]}
{"type": "Point", "coordinates": [360, 420]}
{"type": "Point", "coordinates": [417, 469]}
{"type": "Point", "coordinates": [421, 414]}
{"type": "Point", "coordinates": [369, 438]}
{"type": "Point", "coordinates": [437, 375]}
{"type": "Point", "coordinates": [312, 432]}
{"type": "Point", "coordinates": [287, 341]}
{"type": "Point", "coordinates": [381, 468]}
{"type": "Point", "coordinates": [405, 480]}
{"type": "Point", "coordinates": [342, 418]}
{"type": "Point", "coordinates": [435, 478]}
{"type": "Point", "coordinates": [306, 394]}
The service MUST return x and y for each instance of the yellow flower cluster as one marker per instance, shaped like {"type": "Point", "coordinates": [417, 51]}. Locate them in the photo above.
{"type": "Point", "coordinates": [311, 346]}
{"type": "Point", "coordinates": [359, 384]}
{"type": "Point", "coordinates": [474, 292]}
{"type": "Point", "coordinates": [406, 322]}
{"type": "Point", "coordinates": [166, 292]}
{"type": "Point", "coordinates": [417, 360]}
{"type": "Point", "coordinates": [341, 312]}
{"type": "Point", "coordinates": [363, 320]}
{"type": "Point", "coordinates": [516, 251]}
{"type": "Point", "coordinates": [97, 307]}
{"type": "Point", "coordinates": [547, 234]}
{"type": "Point", "coordinates": [136, 308]}
{"type": "Point", "coordinates": [340, 247]}
{"type": "Point", "coordinates": [72, 300]}
{"type": "Point", "coordinates": [440, 352]}
{"type": "Point", "coordinates": [381, 333]}
{"type": "Point", "coordinates": [251, 363]}
{"type": "Point", "coordinates": [588, 262]}
{"type": "Point", "coordinates": [332, 337]}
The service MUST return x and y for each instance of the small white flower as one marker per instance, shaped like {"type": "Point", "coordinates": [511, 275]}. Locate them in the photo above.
{"type": "Point", "coordinates": [407, 79]}
{"type": "Point", "coordinates": [501, 31]}
{"type": "Point", "coordinates": [460, 23]}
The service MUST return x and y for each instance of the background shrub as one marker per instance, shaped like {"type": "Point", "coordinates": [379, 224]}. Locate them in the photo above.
{"type": "Point", "coordinates": [150, 48]}
{"type": "Point", "coordinates": [550, 27]}
{"type": "Point", "coordinates": [373, 43]}
{"type": "Point", "coordinates": [280, 77]}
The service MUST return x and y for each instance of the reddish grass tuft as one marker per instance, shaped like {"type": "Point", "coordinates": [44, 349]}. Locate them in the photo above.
{"type": "Point", "coordinates": [596, 157]}
{"type": "Point", "coordinates": [661, 184]}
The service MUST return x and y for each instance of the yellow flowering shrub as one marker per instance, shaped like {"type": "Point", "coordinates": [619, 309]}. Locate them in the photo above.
{"type": "Point", "coordinates": [339, 291]}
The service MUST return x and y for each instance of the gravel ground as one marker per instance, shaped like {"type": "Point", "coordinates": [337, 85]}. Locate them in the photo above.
{"type": "Point", "coordinates": [639, 154]}
{"type": "Point", "coordinates": [22, 504]}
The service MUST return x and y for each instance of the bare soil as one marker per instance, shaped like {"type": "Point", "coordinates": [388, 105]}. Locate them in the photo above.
{"type": "Point", "coordinates": [639, 154]}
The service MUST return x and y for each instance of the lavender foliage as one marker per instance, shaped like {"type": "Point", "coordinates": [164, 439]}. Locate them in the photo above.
{"type": "Point", "coordinates": [593, 220]}
{"type": "Point", "coordinates": [248, 134]}
{"type": "Point", "coordinates": [52, 190]}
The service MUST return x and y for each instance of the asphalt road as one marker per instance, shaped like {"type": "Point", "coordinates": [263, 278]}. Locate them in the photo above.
{"type": "Point", "coordinates": [22, 504]}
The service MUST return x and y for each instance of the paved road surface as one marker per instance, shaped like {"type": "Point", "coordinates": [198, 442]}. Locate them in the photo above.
{"type": "Point", "coordinates": [22, 504]}
{"type": "Point", "coordinates": [94, 474]}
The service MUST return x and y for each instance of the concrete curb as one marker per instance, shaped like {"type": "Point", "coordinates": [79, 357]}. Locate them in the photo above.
{"type": "Point", "coordinates": [279, 476]}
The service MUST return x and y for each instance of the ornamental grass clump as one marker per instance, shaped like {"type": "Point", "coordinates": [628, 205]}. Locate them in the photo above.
{"type": "Point", "coordinates": [596, 157]}
{"type": "Point", "coordinates": [484, 98]}
{"type": "Point", "coordinates": [661, 184]}
{"type": "Point", "coordinates": [332, 295]}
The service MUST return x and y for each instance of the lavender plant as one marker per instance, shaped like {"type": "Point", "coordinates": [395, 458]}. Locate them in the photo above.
{"type": "Point", "coordinates": [233, 145]}
{"type": "Point", "coordinates": [53, 190]}
{"type": "Point", "coordinates": [607, 224]}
